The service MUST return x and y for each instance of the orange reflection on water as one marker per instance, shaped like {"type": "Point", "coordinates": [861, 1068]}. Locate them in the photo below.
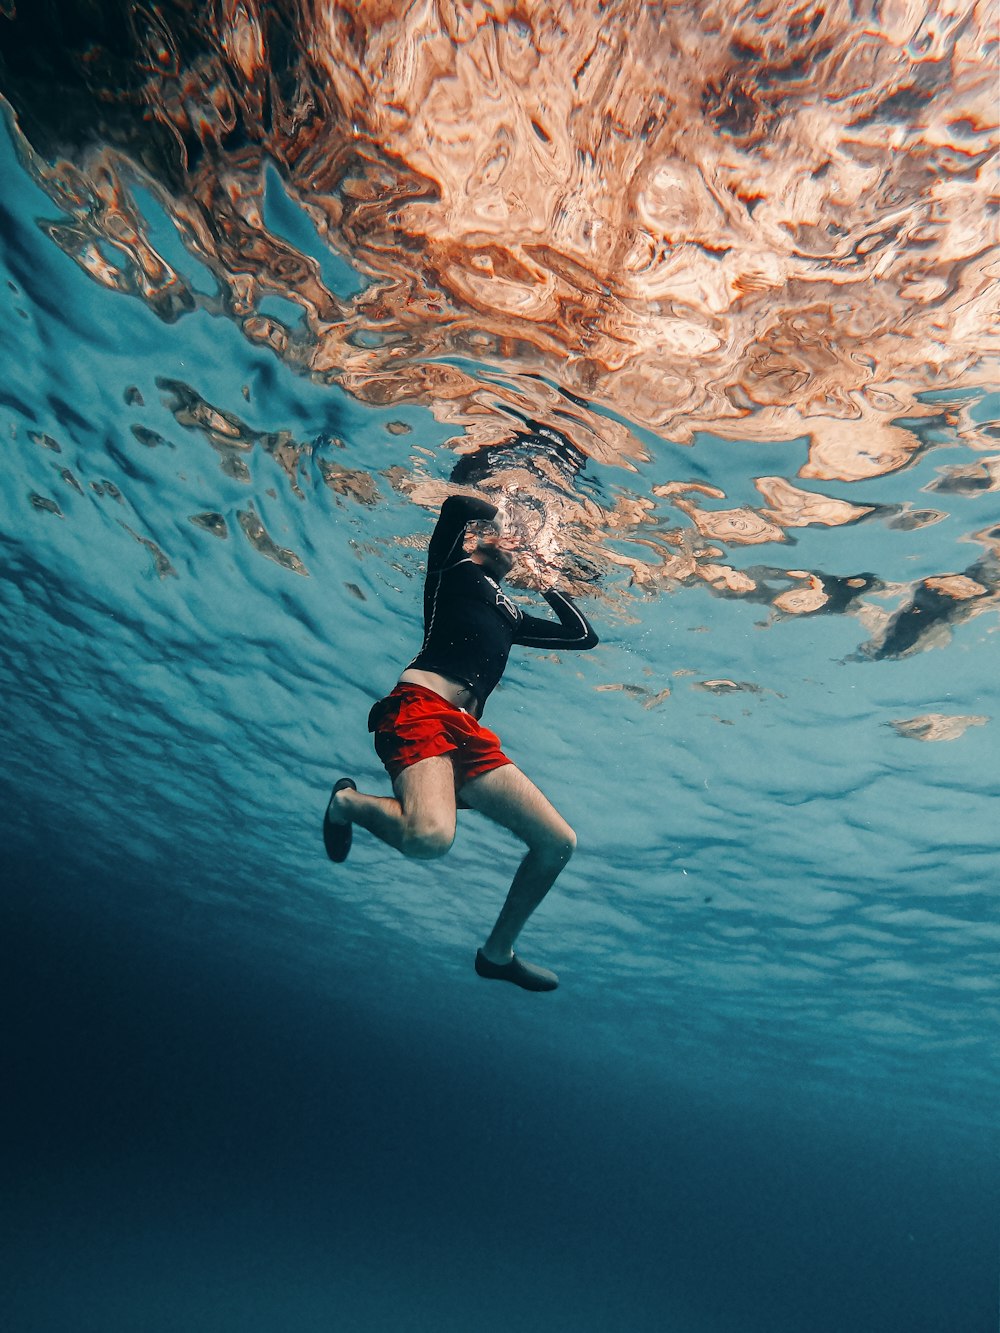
{"type": "Point", "coordinates": [761, 221]}
{"type": "Point", "coordinates": [714, 215]}
{"type": "Point", "coordinates": [748, 221]}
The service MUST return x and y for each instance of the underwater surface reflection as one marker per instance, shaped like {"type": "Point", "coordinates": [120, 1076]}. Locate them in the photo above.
{"type": "Point", "coordinates": [719, 224]}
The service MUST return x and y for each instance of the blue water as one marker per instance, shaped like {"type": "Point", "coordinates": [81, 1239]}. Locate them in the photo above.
{"type": "Point", "coordinates": [250, 1091]}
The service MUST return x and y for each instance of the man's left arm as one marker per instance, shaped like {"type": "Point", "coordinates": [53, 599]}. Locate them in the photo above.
{"type": "Point", "coordinates": [573, 629]}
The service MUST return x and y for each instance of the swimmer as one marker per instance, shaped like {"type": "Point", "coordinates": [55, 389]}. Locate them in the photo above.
{"type": "Point", "coordinates": [428, 735]}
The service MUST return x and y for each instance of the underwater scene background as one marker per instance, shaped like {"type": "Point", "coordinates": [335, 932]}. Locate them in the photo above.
{"type": "Point", "coordinates": [277, 278]}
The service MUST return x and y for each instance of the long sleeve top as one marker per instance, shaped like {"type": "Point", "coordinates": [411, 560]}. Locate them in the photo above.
{"type": "Point", "coordinates": [470, 624]}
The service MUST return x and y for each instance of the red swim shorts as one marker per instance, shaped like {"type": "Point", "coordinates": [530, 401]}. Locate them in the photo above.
{"type": "Point", "coordinates": [414, 723]}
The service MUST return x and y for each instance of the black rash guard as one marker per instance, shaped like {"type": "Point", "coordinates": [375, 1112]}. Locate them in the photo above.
{"type": "Point", "coordinates": [470, 624]}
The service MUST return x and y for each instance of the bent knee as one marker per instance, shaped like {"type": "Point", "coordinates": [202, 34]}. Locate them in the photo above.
{"type": "Point", "coordinates": [559, 846]}
{"type": "Point", "coordinates": [424, 844]}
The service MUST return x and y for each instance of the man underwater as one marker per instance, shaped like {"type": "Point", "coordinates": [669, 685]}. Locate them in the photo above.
{"type": "Point", "coordinates": [428, 736]}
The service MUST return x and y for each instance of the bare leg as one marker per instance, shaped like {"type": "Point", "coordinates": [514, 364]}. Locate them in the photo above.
{"type": "Point", "coordinates": [507, 797]}
{"type": "Point", "coordinates": [420, 821]}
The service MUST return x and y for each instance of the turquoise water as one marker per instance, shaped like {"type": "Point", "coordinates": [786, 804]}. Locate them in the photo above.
{"type": "Point", "coordinates": [253, 1091]}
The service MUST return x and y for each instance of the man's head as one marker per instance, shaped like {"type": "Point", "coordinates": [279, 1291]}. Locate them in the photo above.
{"type": "Point", "coordinates": [491, 543]}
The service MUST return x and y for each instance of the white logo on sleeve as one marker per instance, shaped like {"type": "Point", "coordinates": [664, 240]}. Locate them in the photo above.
{"type": "Point", "coordinates": [503, 600]}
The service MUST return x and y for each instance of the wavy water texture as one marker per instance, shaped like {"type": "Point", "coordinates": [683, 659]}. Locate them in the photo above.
{"type": "Point", "coordinates": [690, 223]}
{"type": "Point", "coordinates": [704, 294]}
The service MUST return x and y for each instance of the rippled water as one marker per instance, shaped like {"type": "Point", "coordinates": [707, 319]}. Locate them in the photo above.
{"type": "Point", "coordinates": [276, 280]}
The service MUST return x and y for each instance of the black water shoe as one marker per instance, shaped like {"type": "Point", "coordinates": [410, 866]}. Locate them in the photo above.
{"type": "Point", "coordinates": [337, 836]}
{"type": "Point", "coordinates": [516, 972]}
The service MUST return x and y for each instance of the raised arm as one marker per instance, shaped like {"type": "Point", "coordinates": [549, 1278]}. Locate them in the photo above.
{"type": "Point", "coordinates": [572, 631]}
{"type": "Point", "coordinates": [446, 539]}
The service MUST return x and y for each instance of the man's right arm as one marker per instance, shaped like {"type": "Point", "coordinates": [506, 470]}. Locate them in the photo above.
{"type": "Point", "coordinates": [446, 540]}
